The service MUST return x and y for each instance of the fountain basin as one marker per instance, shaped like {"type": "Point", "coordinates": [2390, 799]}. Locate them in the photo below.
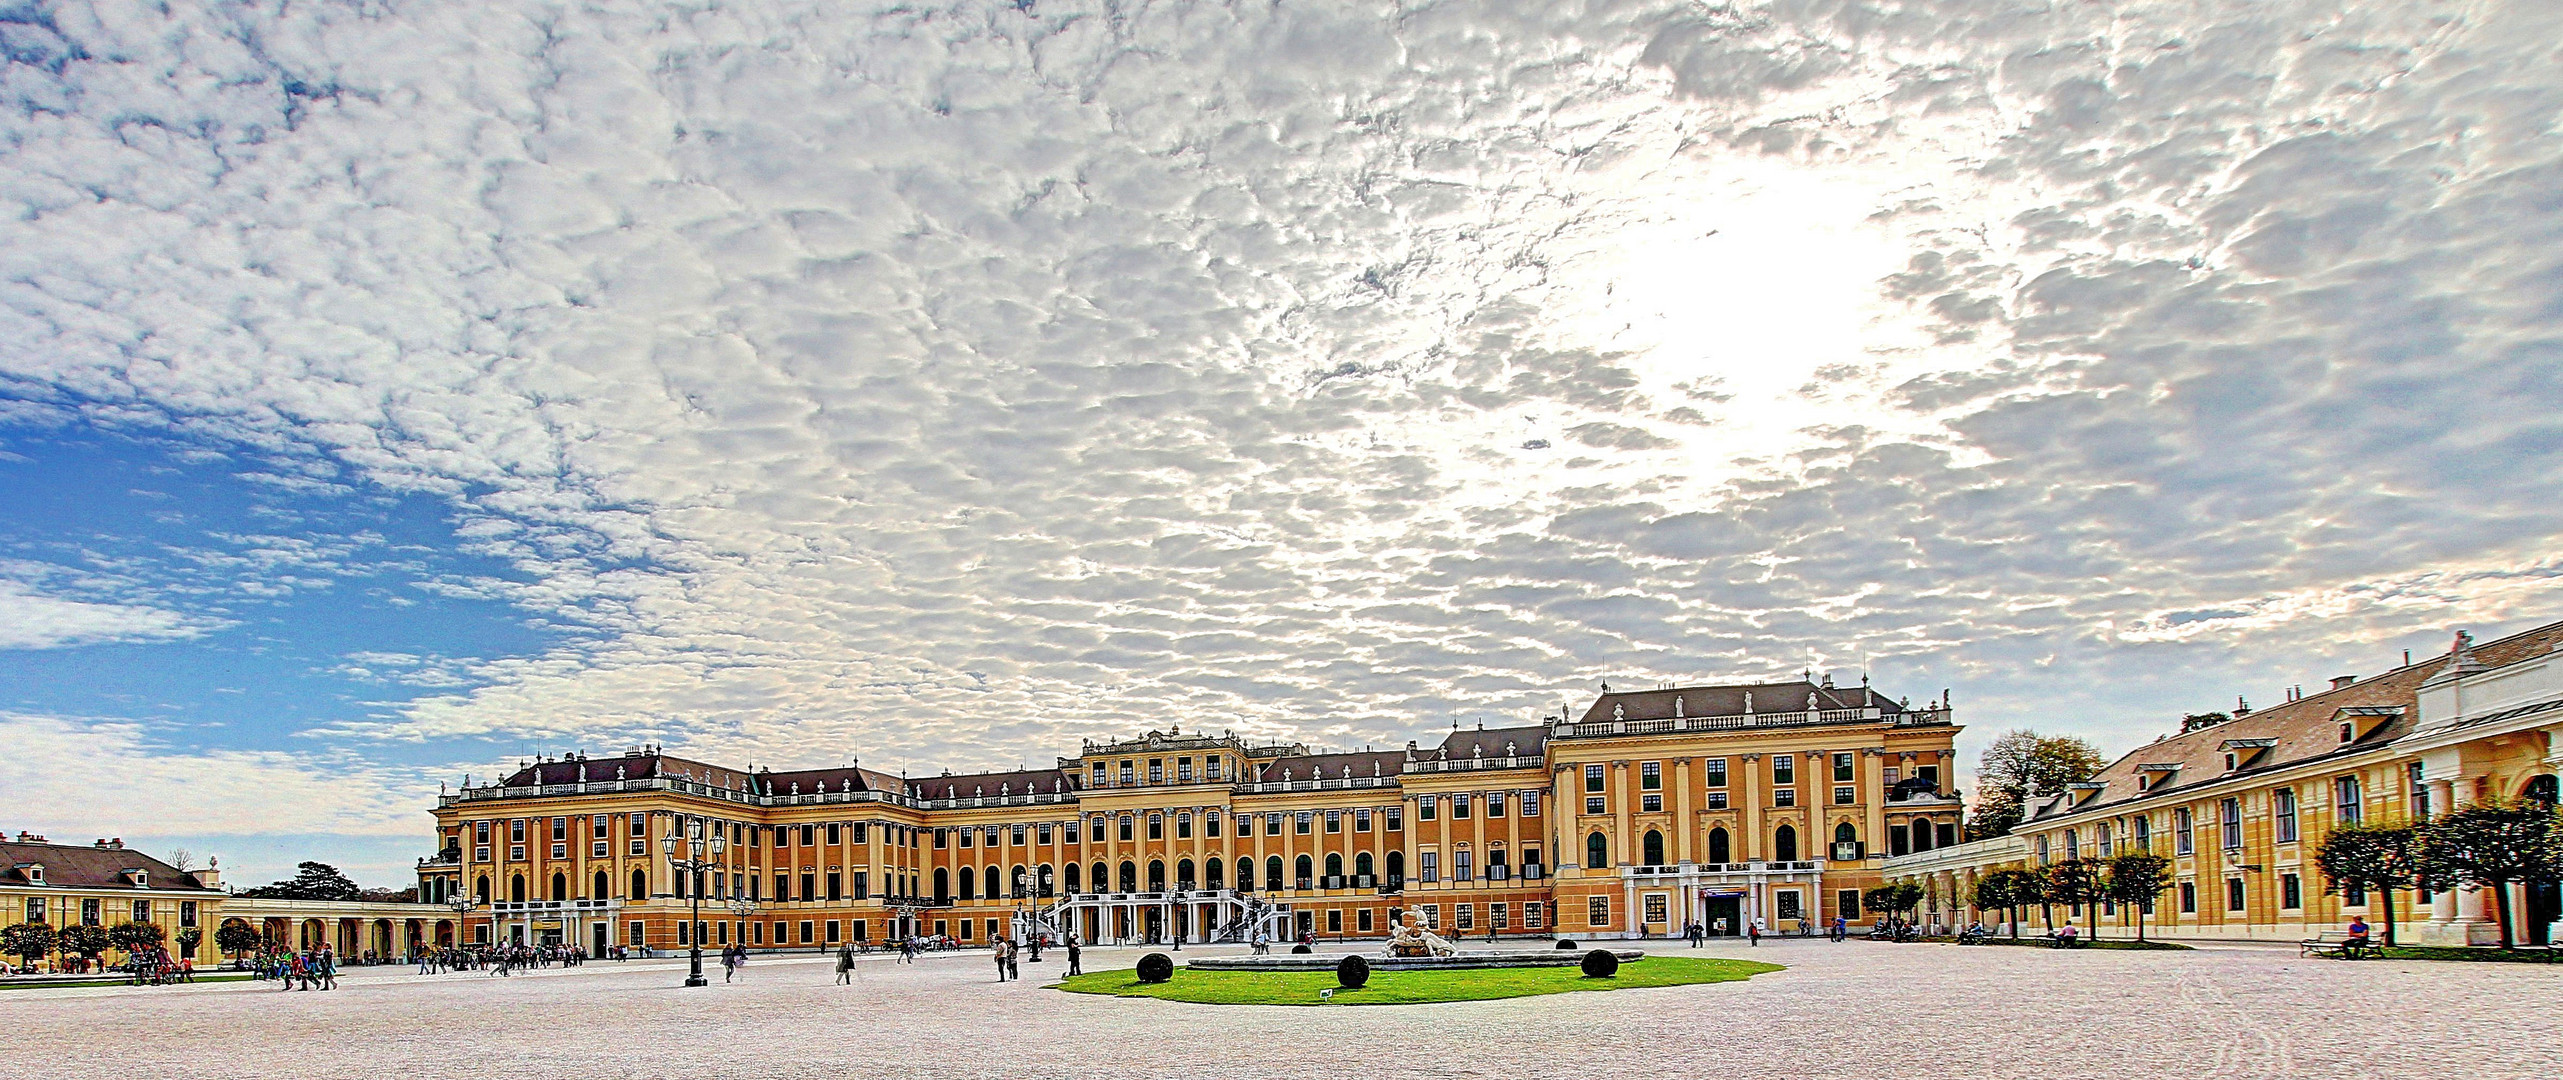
{"type": "Point", "coordinates": [1522, 958]}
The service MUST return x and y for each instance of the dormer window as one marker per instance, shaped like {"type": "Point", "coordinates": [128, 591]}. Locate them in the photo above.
{"type": "Point", "coordinates": [2231, 761]}
{"type": "Point", "coordinates": [2348, 732]}
{"type": "Point", "coordinates": [35, 874]}
{"type": "Point", "coordinates": [141, 878]}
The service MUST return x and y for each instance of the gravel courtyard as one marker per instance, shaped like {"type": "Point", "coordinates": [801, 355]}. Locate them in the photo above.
{"type": "Point", "coordinates": [1850, 1010]}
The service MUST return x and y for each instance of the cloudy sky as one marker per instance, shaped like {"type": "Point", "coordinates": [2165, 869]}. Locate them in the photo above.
{"type": "Point", "coordinates": [392, 389]}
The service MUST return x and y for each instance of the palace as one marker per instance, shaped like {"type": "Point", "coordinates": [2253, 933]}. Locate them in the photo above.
{"type": "Point", "coordinates": [2239, 805]}
{"type": "Point", "coordinates": [1718, 803]}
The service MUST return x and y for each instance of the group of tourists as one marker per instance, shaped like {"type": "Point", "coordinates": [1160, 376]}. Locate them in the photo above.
{"type": "Point", "coordinates": [311, 969]}
{"type": "Point", "coordinates": [155, 967]}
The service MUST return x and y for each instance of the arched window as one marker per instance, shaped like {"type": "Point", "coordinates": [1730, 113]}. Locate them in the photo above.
{"type": "Point", "coordinates": [1072, 879]}
{"type": "Point", "coordinates": [1396, 867]}
{"type": "Point", "coordinates": [1597, 852]}
{"type": "Point", "coordinates": [2542, 789]}
{"type": "Point", "coordinates": [994, 891]}
{"type": "Point", "coordinates": [1102, 881]}
{"type": "Point", "coordinates": [1246, 873]}
{"type": "Point", "coordinates": [1334, 865]}
{"type": "Point", "coordinates": [1845, 834]}
{"type": "Point", "coordinates": [1654, 848]}
{"type": "Point", "coordinates": [1784, 844]}
{"type": "Point", "coordinates": [1301, 871]}
{"type": "Point", "coordinates": [1156, 875]}
{"type": "Point", "coordinates": [1362, 865]}
{"type": "Point", "coordinates": [1129, 876]}
{"type": "Point", "coordinates": [1184, 878]}
{"type": "Point", "coordinates": [2073, 845]}
{"type": "Point", "coordinates": [942, 885]}
{"type": "Point", "coordinates": [516, 888]}
{"type": "Point", "coordinates": [1048, 883]}
{"type": "Point", "coordinates": [1273, 873]}
{"type": "Point", "coordinates": [969, 884]}
{"type": "Point", "coordinates": [560, 886]}
{"type": "Point", "coordinates": [1216, 873]}
{"type": "Point", "coordinates": [1721, 848]}
{"type": "Point", "coordinates": [604, 887]}
{"type": "Point", "coordinates": [640, 885]}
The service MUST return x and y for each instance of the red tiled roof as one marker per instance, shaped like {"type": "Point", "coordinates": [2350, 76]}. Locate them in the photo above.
{"type": "Point", "coordinates": [992, 785]}
{"type": "Point", "coordinates": [1334, 766]}
{"type": "Point", "coordinates": [1729, 700]}
{"type": "Point", "coordinates": [81, 866]}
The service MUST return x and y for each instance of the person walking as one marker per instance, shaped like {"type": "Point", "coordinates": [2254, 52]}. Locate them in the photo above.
{"type": "Point", "coordinates": [1754, 931]}
{"type": "Point", "coordinates": [1073, 968]}
{"type": "Point", "coordinates": [845, 965]}
{"type": "Point", "coordinates": [1841, 928]}
{"type": "Point", "coordinates": [998, 950]}
{"type": "Point", "coordinates": [1014, 947]}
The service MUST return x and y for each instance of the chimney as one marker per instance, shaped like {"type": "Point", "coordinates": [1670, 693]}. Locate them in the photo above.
{"type": "Point", "coordinates": [2339, 681]}
{"type": "Point", "coordinates": [209, 877]}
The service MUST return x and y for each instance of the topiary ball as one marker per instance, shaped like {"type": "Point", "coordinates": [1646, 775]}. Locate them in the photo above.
{"type": "Point", "coordinates": [1601, 964]}
{"type": "Point", "coordinates": [1352, 972]}
{"type": "Point", "coordinates": [1566, 943]}
{"type": "Point", "coordinates": [1301, 950]}
{"type": "Point", "coordinates": [1156, 967]}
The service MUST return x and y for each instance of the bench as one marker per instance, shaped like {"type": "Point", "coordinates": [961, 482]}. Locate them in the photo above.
{"type": "Point", "coordinates": [2338, 945]}
{"type": "Point", "coordinates": [2063, 941]}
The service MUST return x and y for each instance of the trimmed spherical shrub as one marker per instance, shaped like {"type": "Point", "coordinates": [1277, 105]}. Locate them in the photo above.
{"type": "Point", "coordinates": [1566, 943]}
{"type": "Point", "coordinates": [1157, 967]}
{"type": "Point", "coordinates": [1301, 950]}
{"type": "Point", "coordinates": [1352, 972]}
{"type": "Point", "coordinates": [1601, 964]}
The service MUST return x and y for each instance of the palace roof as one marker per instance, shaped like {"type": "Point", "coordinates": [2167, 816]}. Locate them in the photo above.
{"type": "Point", "coordinates": [1492, 742]}
{"type": "Point", "coordinates": [107, 864]}
{"type": "Point", "coordinates": [993, 784]}
{"type": "Point", "coordinates": [1732, 700]}
{"type": "Point", "coordinates": [1335, 766]}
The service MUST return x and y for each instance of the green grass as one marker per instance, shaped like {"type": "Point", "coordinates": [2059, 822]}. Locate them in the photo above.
{"type": "Point", "coordinates": [1408, 987]}
{"type": "Point", "coordinates": [2475, 954]}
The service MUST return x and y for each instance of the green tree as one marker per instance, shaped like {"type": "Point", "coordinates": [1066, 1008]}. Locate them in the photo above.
{"type": "Point", "coordinates": [30, 942]}
{"type": "Point", "coordinates": [2011, 890]}
{"type": "Point", "coordinates": [188, 939]}
{"type": "Point", "coordinates": [2379, 855]}
{"type": "Point", "coordinates": [2022, 763]}
{"type": "Point", "coordinates": [85, 941]}
{"type": "Point", "coordinates": [2490, 845]}
{"type": "Point", "coordinates": [2135, 879]}
{"type": "Point", "coordinates": [236, 938]}
{"type": "Point", "coordinates": [134, 937]}
{"type": "Point", "coordinates": [311, 881]}
{"type": "Point", "coordinates": [1893, 899]}
{"type": "Point", "coordinates": [2078, 881]}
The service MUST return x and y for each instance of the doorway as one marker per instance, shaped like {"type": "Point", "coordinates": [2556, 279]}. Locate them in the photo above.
{"type": "Point", "coordinates": [2544, 906]}
{"type": "Point", "coordinates": [596, 940]}
{"type": "Point", "coordinates": [1724, 915]}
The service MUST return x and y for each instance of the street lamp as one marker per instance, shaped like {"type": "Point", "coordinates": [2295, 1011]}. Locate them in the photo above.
{"type": "Point", "coordinates": [742, 907]}
{"type": "Point", "coordinates": [462, 906]}
{"type": "Point", "coordinates": [695, 862]}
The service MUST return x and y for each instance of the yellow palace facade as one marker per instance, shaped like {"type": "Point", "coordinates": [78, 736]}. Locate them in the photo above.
{"type": "Point", "coordinates": [1720, 804]}
{"type": "Point", "coordinates": [2240, 806]}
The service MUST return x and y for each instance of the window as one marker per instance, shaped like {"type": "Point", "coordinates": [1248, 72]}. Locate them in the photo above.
{"type": "Point", "coordinates": [1459, 807]}
{"type": "Point", "coordinates": [1429, 864]}
{"type": "Point", "coordinates": [516, 831]}
{"type": "Point", "coordinates": [2144, 838]}
{"type": "Point", "coordinates": [142, 911]}
{"type": "Point", "coordinates": [2345, 802]}
{"type": "Point", "coordinates": [1334, 821]}
{"type": "Point", "coordinates": [1717, 800]}
{"type": "Point", "coordinates": [1126, 777]}
{"type": "Point", "coordinates": [1300, 822]}
{"type": "Point", "coordinates": [1531, 863]}
{"type": "Point", "coordinates": [2291, 892]}
{"type": "Point", "coordinates": [1495, 804]}
{"type": "Point", "coordinates": [1845, 794]}
{"type": "Point", "coordinates": [1650, 776]}
{"type": "Point", "coordinates": [2353, 894]}
{"type": "Point", "coordinates": [1785, 797]}
{"type": "Point", "coordinates": [1427, 807]}
{"type": "Point", "coordinates": [943, 838]}
{"type": "Point", "coordinates": [2073, 845]}
{"type": "Point", "coordinates": [1127, 825]}
{"type": "Point", "coordinates": [1467, 917]}
{"type": "Point", "coordinates": [89, 913]}
{"type": "Point", "coordinates": [1789, 905]}
{"type": "Point", "coordinates": [186, 913]}
{"type": "Point", "coordinates": [1099, 774]}
{"type": "Point", "coordinates": [2102, 833]}
{"type": "Point", "coordinates": [1784, 769]}
{"type": "Point", "coordinates": [1499, 916]}
{"type": "Point", "coordinates": [969, 837]}
{"type": "Point", "coordinates": [1593, 804]}
{"type": "Point", "coordinates": [1597, 911]}
{"type": "Point", "coordinates": [2282, 807]}
{"type": "Point", "coordinates": [2229, 813]}
{"type": "Point", "coordinates": [480, 832]}
{"type": "Point", "coordinates": [1842, 773]}
{"type": "Point", "coordinates": [1717, 772]}
{"type": "Point", "coordinates": [1432, 916]}
{"type": "Point", "coordinates": [1396, 819]}
{"type": "Point", "coordinates": [1361, 821]}
{"type": "Point", "coordinates": [1209, 826]}
{"type": "Point", "coordinates": [1210, 768]}
{"type": "Point", "coordinates": [1156, 770]}
{"type": "Point", "coordinates": [1530, 804]}
{"type": "Point", "coordinates": [1592, 778]}
{"type": "Point", "coordinates": [2188, 898]}
{"type": "Point", "coordinates": [1273, 827]}
{"type": "Point", "coordinates": [1183, 770]}
{"type": "Point", "coordinates": [1334, 920]}
{"type": "Point", "coordinates": [1597, 852]}
{"type": "Point", "coordinates": [1651, 802]}
{"type": "Point", "coordinates": [1460, 868]}
{"type": "Point", "coordinates": [2183, 833]}
{"type": "Point", "coordinates": [1095, 829]}
{"type": "Point", "coordinates": [1184, 822]}
{"type": "Point", "coordinates": [1532, 916]}
{"type": "Point", "coordinates": [836, 832]}
{"type": "Point", "coordinates": [856, 833]}
{"type": "Point", "coordinates": [2420, 792]}
{"type": "Point", "coordinates": [2233, 894]}
{"type": "Point", "coordinates": [1846, 902]}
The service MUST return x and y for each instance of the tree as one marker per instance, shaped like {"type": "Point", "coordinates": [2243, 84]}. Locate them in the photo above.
{"type": "Point", "coordinates": [85, 941]}
{"type": "Point", "coordinates": [236, 938]}
{"type": "Point", "coordinates": [134, 937]}
{"type": "Point", "coordinates": [2489, 845]}
{"type": "Point", "coordinates": [2078, 881]}
{"type": "Point", "coordinates": [311, 881]}
{"type": "Point", "coordinates": [30, 942]}
{"type": "Point", "coordinates": [2011, 890]}
{"type": "Point", "coordinates": [2023, 763]}
{"type": "Point", "coordinates": [180, 859]}
{"type": "Point", "coordinates": [2379, 855]}
{"type": "Point", "coordinates": [2135, 879]}
{"type": "Point", "coordinates": [188, 939]}
{"type": "Point", "coordinates": [1893, 899]}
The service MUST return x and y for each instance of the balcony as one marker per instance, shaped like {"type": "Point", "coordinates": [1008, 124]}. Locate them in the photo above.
{"type": "Point", "coordinates": [1746, 721]}
{"type": "Point", "coordinates": [1341, 783]}
{"type": "Point", "coordinates": [1472, 763]}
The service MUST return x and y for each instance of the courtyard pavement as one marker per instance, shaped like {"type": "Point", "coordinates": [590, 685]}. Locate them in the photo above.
{"type": "Point", "coordinates": [1854, 1010]}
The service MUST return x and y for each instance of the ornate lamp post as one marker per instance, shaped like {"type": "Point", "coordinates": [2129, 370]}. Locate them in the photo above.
{"type": "Point", "coordinates": [462, 906]}
{"type": "Point", "coordinates": [700, 855]}
{"type": "Point", "coordinates": [742, 907]}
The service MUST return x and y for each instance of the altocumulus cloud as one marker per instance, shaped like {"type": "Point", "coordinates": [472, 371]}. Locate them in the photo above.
{"type": "Point", "coordinates": [965, 378]}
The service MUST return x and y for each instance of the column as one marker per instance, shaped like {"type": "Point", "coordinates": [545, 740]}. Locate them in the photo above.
{"type": "Point", "coordinates": [1622, 795]}
{"type": "Point", "coordinates": [1873, 799]}
{"type": "Point", "coordinates": [1683, 823]}
{"type": "Point", "coordinates": [2443, 902]}
{"type": "Point", "coordinates": [1749, 846]}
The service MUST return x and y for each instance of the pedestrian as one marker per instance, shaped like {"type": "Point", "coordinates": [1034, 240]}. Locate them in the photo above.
{"type": "Point", "coordinates": [1841, 928]}
{"type": "Point", "coordinates": [1013, 947]}
{"type": "Point", "coordinates": [845, 965]}
{"type": "Point", "coordinates": [1754, 931]}
{"type": "Point", "coordinates": [328, 970]}
{"type": "Point", "coordinates": [1073, 968]}
{"type": "Point", "coordinates": [998, 949]}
